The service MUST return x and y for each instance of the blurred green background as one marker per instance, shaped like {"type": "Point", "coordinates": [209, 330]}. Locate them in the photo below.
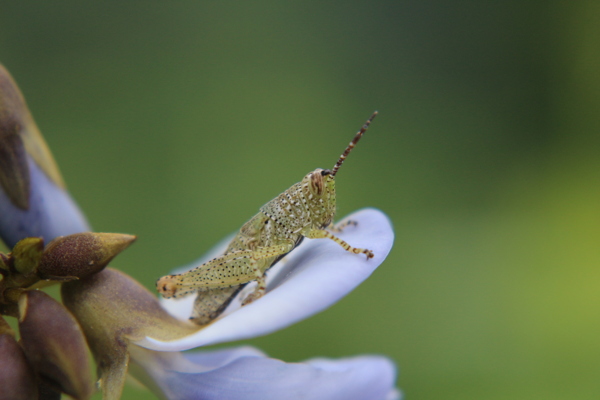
{"type": "Point", "coordinates": [176, 121]}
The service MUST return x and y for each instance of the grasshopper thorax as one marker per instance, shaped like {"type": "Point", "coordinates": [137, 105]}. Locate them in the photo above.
{"type": "Point", "coordinates": [308, 204]}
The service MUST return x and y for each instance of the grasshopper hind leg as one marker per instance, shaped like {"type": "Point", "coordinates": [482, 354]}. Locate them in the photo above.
{"type": "Point", "coordinates": [259, 291]}
{"type": "Point", "coordinates": [211, 303]}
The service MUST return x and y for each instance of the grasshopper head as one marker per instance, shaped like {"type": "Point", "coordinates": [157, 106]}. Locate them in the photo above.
{"type": "Point", "coordinates": [167, 286]}
{"type": "Point", "coordinates": [320, 196]}
{"type": "Point", "coordinates": [319, 185]}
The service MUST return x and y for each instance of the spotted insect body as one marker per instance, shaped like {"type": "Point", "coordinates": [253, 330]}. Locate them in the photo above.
{"type": "Point", "coordinates": [305, 210]}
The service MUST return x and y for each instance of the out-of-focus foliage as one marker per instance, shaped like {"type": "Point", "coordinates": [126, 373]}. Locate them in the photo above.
{"type": "Point", "coordinates": [177, 121]}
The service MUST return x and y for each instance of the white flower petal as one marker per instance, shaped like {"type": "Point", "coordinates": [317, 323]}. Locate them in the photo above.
{"type": "Point", "coordinates": [245, 375]}
{"type": "Point", "coordinates": [311, 278]}
{"type": "Point", "coordinates": [52, 212]}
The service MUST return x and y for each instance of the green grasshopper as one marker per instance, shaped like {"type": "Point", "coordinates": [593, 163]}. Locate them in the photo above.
{"type": "Point", "coordinates": [302, 211]}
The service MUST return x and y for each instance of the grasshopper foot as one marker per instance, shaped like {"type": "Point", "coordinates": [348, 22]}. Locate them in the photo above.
{"type": "Point", "coordinates": [366, 252]}
{"type": "Point", "coordinates": [257, 294]}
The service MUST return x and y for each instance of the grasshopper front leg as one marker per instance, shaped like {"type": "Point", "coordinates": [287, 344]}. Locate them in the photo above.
{"type": "Point", "coordinates": [322, 234]}
{"type": "Point", "coordinates": [338, 228]}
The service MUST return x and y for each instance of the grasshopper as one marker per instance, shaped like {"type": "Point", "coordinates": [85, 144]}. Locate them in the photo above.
{"type": "Point", "coordinates": [302, 211]}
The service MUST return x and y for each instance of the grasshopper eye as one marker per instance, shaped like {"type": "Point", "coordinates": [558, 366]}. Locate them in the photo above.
{"type": "Point", "coordinates": [167, 286]}
{"type": "Point", "coordinates": [316, 182]}
{"type": "Point", "coordinates": [325, 172]}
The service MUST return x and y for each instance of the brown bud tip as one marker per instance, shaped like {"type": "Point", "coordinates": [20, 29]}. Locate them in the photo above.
{"type": "Point", "coordinates": [81, 254]}
{"type": "Point", "coordinates": [17, 380]}
{"type": "Point", "coordinates": [27, 254]}
{"type": "Point", "coordinates": [54, 344]}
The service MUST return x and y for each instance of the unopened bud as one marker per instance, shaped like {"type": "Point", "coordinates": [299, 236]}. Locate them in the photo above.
{"type": "Point", "coordinates": [17, 379]}
{"type": "Point", "coordinates": [27, 254]}
{"type": "Point", "coordinates": [54, 344]}
{"type": "Point", "coordinates": [81, 254]}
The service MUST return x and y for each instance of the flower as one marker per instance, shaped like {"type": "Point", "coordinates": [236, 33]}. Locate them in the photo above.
{"type": "Point", "coordinates": [128, 329]}
{"type": "Point", "coordinates": [310, 279]}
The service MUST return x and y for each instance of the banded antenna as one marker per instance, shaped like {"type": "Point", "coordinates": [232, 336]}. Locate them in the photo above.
{"type": "Point", "coordinates": [357, 137]}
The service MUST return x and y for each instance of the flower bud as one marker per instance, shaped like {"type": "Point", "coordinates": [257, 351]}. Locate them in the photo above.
{"type": "Point", "coordinates": [54, 344]}
{"type": "Point", "coordinates": [27, 254]}
{"type": "Point", "coordinates": [81, 254]}
{"type": "Point", "coordinates": [17, 379]}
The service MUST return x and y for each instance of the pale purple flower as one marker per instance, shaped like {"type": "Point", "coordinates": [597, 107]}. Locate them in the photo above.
{"type": "Point", "coordinates": [310, 279]}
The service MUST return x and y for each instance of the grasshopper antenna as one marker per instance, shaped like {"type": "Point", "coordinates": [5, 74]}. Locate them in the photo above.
{"type": "Point", "coordinates": [357, 137]}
